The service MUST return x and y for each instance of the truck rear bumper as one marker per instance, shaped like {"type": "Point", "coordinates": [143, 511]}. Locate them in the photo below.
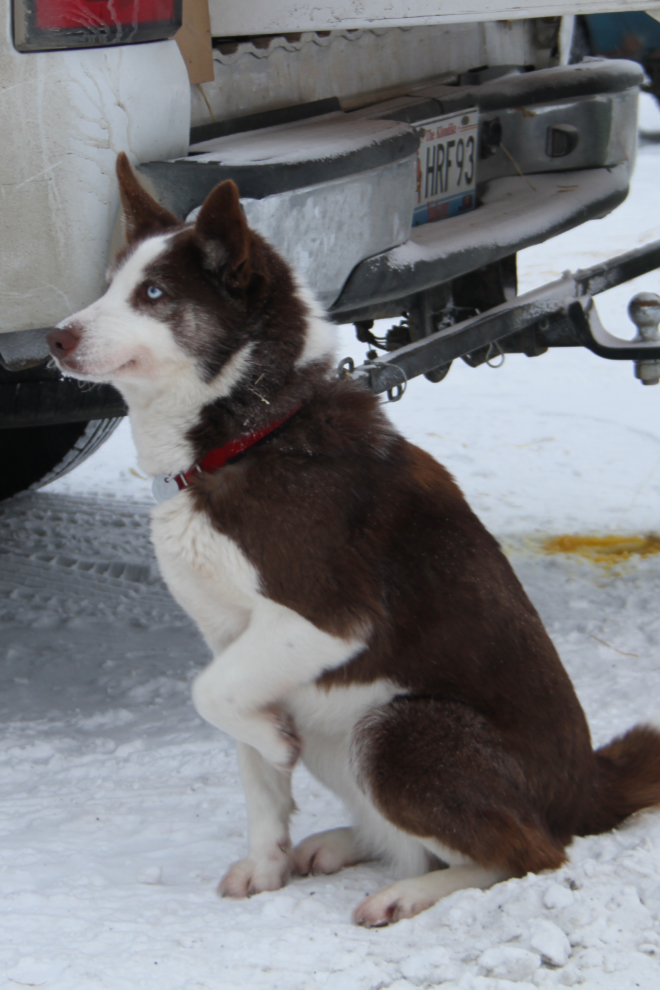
{"type": "Point", "coordinates": [516, 212]}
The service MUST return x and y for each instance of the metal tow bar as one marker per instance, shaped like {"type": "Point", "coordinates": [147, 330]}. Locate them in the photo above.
{"type": "Point", "coordinates": [559, 314]}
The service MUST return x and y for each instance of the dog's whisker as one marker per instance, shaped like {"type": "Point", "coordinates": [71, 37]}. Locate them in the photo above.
{"type": "Point", "coordinates": [251, 388]}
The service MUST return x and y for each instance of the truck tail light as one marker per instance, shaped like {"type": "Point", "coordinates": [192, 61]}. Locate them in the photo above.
{"type": "Point", "coordinates": [40, 25]}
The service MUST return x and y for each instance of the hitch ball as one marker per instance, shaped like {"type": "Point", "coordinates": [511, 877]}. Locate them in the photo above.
{"type": "Point", "coordinates": [644, 311]}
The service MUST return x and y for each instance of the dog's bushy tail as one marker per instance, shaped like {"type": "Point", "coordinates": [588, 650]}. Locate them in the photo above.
{"type": "Point", "coordinates": [627, 779]}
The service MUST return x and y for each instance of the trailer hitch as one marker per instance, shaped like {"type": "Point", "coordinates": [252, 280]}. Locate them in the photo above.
{"type": "Point", "coordinates": [559, 314]}
{"type": "Point", "coordinates": [644, 349]}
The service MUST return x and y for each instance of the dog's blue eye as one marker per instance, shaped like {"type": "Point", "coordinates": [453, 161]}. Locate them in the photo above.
{"type": "Point", "coordinates": [154, 292]}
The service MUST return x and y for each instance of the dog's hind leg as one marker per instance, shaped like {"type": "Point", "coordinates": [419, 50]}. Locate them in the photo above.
{"type": "Point", "coordinates": [440, 771]}
{"type": "Point", "coordinates": [328, 852]}
{"type": "Point", "coordinates": [269, 806]}
{"type": "Point", "coordinates": [406, 898]}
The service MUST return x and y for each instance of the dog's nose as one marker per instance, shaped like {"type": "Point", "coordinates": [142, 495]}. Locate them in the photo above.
{"type": "Point", "coordinates": [63, 340]}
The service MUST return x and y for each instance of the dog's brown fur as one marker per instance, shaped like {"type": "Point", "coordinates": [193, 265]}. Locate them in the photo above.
{"type": "Point", "coordinates": [486, 747]}
{"type": "Point", "coordinates": [489, 749]}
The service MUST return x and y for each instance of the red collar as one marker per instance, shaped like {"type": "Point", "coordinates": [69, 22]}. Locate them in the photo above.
{"type": "Point", "coordinates": [219, 456]}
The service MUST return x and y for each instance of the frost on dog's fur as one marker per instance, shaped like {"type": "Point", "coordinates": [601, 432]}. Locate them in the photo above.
{"type": "Point", "coordinates": [359, 616]}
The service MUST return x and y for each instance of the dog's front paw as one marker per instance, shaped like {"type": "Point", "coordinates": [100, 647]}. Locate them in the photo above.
{"type": "Point", "coordinates": [253, 876]}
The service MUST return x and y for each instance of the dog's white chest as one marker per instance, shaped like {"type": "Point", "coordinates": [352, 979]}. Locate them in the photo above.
{"type": "Point", "coordinates": [206, 572]}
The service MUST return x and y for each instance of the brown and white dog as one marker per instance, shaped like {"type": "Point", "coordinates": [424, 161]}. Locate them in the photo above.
{"type": "Point", "coordinates": [359, 615]}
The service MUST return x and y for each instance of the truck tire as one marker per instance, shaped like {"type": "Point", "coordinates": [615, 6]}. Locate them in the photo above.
{"type": "Point", "coordinates": [33, 456]}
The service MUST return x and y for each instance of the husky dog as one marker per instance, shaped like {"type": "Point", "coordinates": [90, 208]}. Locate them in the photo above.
{"type": "Point", "coordinates": [360, 617]}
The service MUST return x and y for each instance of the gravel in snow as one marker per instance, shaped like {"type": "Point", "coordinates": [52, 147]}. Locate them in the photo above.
{"type": "Point", "coordinates": [120, 808]}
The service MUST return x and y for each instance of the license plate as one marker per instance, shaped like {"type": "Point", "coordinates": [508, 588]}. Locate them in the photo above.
{"type": "Point", "coordinates": [446, 167]}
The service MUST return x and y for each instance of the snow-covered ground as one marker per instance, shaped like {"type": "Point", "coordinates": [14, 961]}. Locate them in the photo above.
{"type": "Point", "coordinates": [120, 808]}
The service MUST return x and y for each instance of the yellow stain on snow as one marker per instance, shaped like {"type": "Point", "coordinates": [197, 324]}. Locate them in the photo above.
{"type": "Point", "coordinates": [608, 550]}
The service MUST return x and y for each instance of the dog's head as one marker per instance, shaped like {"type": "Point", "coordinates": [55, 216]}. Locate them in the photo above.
{"type": "Point", "coordinates": [208, 302]}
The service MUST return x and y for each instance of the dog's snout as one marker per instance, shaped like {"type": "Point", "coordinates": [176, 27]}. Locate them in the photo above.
{"type": "Point", "coordinates": [64, 340]}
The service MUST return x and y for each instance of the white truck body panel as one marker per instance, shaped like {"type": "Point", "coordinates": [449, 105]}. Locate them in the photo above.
{"type": "Point", "coordinates": [254, 17]}
{"type": "Point", "coordinates": [64, 116]}
{"type": "Point", "coordinates": [347, 64]}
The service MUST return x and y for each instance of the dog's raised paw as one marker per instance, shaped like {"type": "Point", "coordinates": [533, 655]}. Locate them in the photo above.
{"type": "Point", "coordinates": [288, 746]}
{"type": "Point", "coordinates": [254, 876]}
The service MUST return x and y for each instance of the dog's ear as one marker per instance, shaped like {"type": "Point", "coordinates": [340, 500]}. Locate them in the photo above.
{"type": "Point", "coordinates": [142, 214]}
{"type": "Point", "coordinates": [224, 236]}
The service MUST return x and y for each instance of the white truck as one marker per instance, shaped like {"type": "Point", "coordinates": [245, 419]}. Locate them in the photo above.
{"type": "Point", "coordinates": [399, 153]}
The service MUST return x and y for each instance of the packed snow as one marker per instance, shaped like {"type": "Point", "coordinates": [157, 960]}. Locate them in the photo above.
{"type": "Point", "coordinates": [329, 136]}
{"type": "Point", "coordinates": [120, 808]}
